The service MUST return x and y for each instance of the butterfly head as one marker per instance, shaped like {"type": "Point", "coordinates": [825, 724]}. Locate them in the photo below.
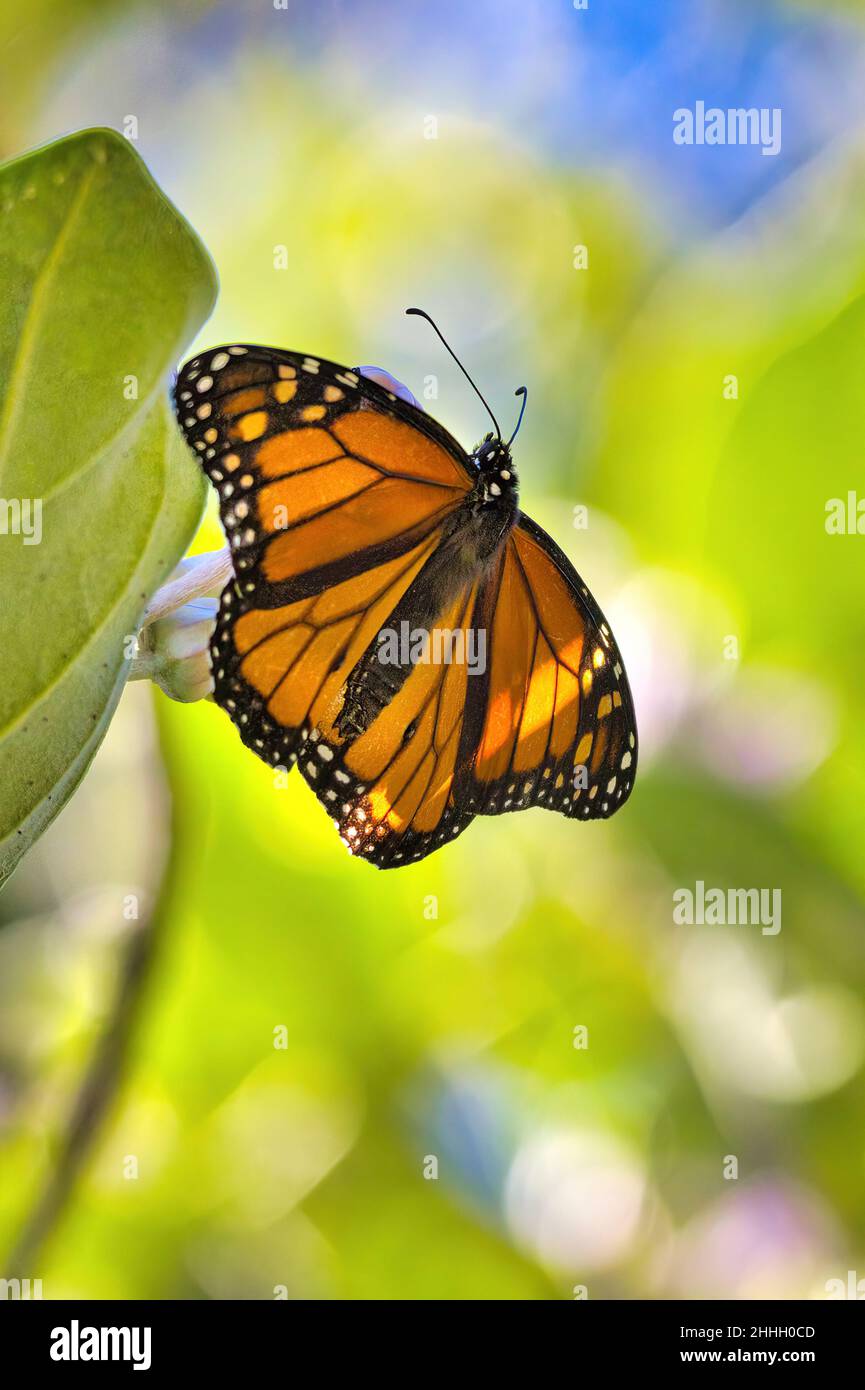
{"type": "Point", "coordinates": [497, 477]}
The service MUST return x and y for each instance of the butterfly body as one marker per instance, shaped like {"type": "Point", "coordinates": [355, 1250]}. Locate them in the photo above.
{"type": "Point", "coordinates": [496, 473]}
{"type": "Point", "coordinates": [396, 626]}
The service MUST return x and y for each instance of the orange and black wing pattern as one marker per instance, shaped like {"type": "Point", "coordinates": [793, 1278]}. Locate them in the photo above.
{"type": "Point", "coordinates": [549, 722]}
{"type": "Point", "coordinates": [332, 492]}
{"type": "Point", "coordinates": [394, 791]}
{"type": "Point", "coordinates": [557, 727]}
{"type": "Point", "coordinates": [319, 471]}
{"type": "Point", "coordinates": [350, 513]}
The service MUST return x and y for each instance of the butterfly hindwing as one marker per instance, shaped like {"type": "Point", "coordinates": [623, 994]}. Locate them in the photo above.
{"type": "Point", "coordinates": [393, 791]}
{"type": "Point", "coordinates": [275, 669]}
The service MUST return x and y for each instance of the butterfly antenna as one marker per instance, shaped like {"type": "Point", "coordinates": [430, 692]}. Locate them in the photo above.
{"type": "Point", "coordinates": [424, 315]}
{"type": "Point", "coordinates": [520, 391]}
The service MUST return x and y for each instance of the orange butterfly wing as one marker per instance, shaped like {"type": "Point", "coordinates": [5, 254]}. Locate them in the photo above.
{"type": "Point", "coordinates": [320, 472]}
{"type": "Point", "coordinates": [332, 491]}
{"type": "Point", "coordinates": [558, 727]}
{"type": "Point", "coordinates": [392, 791]}
{"type": "Point", "coordinates": [549, 723]}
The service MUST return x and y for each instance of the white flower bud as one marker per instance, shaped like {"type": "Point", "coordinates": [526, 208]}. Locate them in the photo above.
{"type": "Point", "coordinates": [174, 651]}
{"type": "Point", "coordinates": [174, 643]}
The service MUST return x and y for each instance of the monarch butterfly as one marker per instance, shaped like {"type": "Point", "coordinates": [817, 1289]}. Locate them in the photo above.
{"type": "Point", "coordinates": [353, 517]}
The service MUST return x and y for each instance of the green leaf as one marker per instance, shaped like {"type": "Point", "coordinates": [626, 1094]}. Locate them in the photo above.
{"type": "Point", "coordinates": [102, 284]}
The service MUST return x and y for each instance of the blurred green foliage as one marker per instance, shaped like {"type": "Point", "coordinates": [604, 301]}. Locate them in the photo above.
{"type": "Point", "coordinates": [431, 1013]}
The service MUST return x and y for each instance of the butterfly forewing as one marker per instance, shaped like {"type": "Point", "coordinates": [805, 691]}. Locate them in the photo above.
{"type": "Point", "coordinates": [320, 473]}
{"type": "Point", "coordinates": [558, 727]}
